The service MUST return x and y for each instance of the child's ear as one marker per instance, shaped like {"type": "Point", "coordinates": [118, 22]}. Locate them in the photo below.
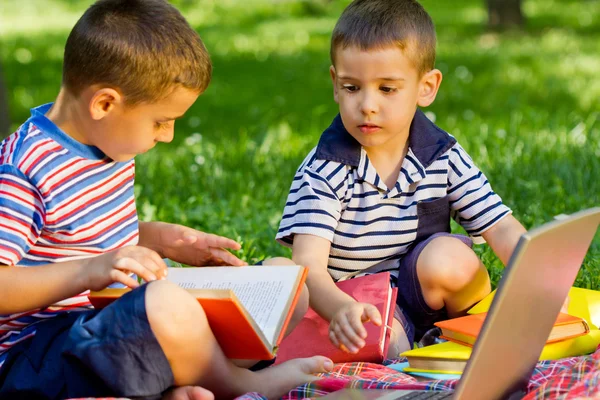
{"type": "Point", "coordinates": [104, 101]}
{"type": "Point", "coordinates": [428, 87]}
{"type": "Point", "coordinates": [335, 89]}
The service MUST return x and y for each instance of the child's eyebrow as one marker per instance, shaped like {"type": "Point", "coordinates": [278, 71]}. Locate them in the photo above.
{"type": "Point", "coordinates": [392, 78]}
{"type": "Point", "coordinates": [385, 78]}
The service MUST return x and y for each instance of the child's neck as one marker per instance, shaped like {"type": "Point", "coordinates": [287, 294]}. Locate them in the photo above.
{"type": "Point", "coordinates": [387, 161]}
{"type": "Point", "coordinates": [66, 113]}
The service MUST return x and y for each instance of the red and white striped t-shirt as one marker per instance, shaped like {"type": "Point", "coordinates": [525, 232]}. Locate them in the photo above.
{"type": "Point", "coordinates": [60, 200]}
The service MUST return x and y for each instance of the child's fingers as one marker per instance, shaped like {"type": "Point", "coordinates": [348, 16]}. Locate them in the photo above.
{"type": "Point", "coordinates": [125, 279]}
{"type": "Point", "coordinates": [156, 264]}
{"type": "Point", "coordinates": [344, 343]}
{"type": "Point", "coordinates": [132, 265]}
{"type": "Point", "coordinates": [333, 338]}
{"type": "Point", "coordinates": [152, 261]}
{"type": "Point", "coordinates": [345, 327]}
{"type": "Point", "coordinates": [211, 240]}
{"type": "Point", "coordinates": [356, 323]}
{"type": "Point", "coordinates": [371, 313]}
{"type": "Point", "coordinates": [227, 257]}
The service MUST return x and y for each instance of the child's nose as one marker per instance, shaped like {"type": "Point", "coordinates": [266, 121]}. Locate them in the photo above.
{"type": "Point", "coordinates": [368, 104]}
{"type": "Point", "coordinates": [166, 136]}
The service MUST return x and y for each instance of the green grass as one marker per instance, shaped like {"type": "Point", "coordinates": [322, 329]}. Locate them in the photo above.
{"type": "Point", "coordinates": [523, 104]}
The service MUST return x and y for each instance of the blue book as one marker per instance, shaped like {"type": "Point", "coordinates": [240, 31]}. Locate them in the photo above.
{"type": "Point", "coordinates": [429, 375]}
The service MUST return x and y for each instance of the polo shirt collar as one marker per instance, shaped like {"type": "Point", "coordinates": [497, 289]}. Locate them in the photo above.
{"type": "Point", "coordinates": [426, 143]}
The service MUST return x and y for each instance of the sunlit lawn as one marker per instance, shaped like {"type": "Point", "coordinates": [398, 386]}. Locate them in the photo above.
{"type": "Point", "coordinates": [525, 105]}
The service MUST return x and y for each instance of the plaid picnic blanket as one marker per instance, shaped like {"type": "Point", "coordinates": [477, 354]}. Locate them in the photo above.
{"type": "Point", "coordinates": [568, 378]}
{"type": "Point", "coordinates": [565, 379]}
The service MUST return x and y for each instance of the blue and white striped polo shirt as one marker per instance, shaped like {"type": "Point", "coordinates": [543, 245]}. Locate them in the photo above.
{"type": "Point", "coordinates": [337, 194]}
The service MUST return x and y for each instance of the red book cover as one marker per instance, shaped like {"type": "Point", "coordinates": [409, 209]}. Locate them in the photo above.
{"type": "Point", "coordinates": [311, 336]}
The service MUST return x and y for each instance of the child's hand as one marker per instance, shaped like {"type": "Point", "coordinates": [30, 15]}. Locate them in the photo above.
{"type": "Point", "coordinates": [346, 330]}
{"type": "Point", "coordinates": [189, 246]}
{"type": "Point", "coordinates": [117, 265]}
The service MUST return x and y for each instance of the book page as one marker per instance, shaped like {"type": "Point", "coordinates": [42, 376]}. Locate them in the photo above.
{"type": "Point", "coordinates": [263, 290]}
{"type": "Point", "coordinates": [389, 308]}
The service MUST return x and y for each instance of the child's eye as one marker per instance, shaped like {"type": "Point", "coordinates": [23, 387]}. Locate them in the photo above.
{"type": "Point", "coordinates": [160, 125]}
{"type": "Point", "coordinates": [350, 88]}
{"type": "Point", "coordinates": [387, 89]}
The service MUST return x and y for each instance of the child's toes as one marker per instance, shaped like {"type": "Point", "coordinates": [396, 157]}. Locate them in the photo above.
{"type": "Point", "coordinates": [317, 365]}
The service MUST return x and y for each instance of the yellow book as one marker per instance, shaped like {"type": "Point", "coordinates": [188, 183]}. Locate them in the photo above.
{"type": "Point", "coordinates": [442, 358]}
{"type": "Point", "coordinates": [577, 346]}
{"type": "Point", "coordinates": [583, 303]}
{"type": "Point", "coordinates": [451, 358]}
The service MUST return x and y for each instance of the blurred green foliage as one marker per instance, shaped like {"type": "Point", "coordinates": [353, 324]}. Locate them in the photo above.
{"type": "Point", "coordinates": [524, 104]}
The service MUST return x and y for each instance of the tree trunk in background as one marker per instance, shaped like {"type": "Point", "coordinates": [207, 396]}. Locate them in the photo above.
{"type": "Point", "coordinates": [4, 120]}
{"type": "Point", "coordinates": [504, 14]}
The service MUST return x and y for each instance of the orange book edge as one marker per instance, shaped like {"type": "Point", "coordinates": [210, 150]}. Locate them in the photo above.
{"type": "Point", "coordinates": [293, 306]}
{"type": "Point", "coordinates": [221, 320]}
{"type": "Point", "coordinates": [475, 323]}
{"type": "Point", "coordinates": [548, 342]}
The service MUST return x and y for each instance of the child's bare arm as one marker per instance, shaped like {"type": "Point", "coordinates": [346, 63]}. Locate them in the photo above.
{"type": "Point", "coordinates": [503, 237]}
{"type": "Point", "coordinates": [28, 288]}
{"type": "Point", "coordinates": [325, 297]}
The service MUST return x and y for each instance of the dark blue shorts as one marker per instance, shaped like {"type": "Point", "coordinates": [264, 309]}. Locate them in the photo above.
{"type": "Point", "coordinates": [414, 314]}
{"type": "Point", "coordinates": [97, 353]}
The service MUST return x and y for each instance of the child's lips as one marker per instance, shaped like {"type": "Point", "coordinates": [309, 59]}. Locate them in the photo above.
{"type": "Point", "coordinates": [369, 128]}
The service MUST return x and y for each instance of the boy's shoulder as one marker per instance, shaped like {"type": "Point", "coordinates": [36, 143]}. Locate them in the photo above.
{"type": "Point", "coordinates": [13, 149]}
{"type": "Point", "coordinates": [39, 147]}
{"type": "Point", "coordinates": [27, 145]}
{"type": "Point", "coordinates": [426, 140]}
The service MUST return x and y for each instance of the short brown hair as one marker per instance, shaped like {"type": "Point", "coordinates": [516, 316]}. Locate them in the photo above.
{"type": "Point", "coordinates": [144, 48]}
{"type": "Point", "coordinates": [371, 24]}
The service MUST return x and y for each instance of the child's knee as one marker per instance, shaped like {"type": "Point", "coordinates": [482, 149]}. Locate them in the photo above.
{"type": "Point", "coordinates": [399, 342]}
{"type": "Point", "coordinates": [173, 314]}
{"type": "Point", "coordinates": [449, 264]}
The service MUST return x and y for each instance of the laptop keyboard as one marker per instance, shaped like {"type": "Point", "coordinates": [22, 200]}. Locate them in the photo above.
{"type": "Point", "coordinates": [429, 395]}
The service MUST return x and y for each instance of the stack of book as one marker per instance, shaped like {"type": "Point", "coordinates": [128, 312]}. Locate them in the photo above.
{"type": "Point", "coordinates": [573, 334]}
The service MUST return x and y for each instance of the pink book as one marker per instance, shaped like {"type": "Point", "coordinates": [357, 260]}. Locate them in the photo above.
{"type": "Point", "coordinates": [311, 336]}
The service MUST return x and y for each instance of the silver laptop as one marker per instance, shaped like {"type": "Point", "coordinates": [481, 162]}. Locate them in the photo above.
{"type": "Point", "coordinates": [530, 295]}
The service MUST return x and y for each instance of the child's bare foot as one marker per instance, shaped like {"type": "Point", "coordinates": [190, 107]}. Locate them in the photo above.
{"type": "Point", "coordinates": [276, 381]}
{"type": "Point", "coordinates": [188, 393]}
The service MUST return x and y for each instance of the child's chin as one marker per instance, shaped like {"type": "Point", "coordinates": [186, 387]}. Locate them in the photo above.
{"type": "Point", "coordinates": [366, 141]}
{"type": "Point", "coordinates": [122, 157]}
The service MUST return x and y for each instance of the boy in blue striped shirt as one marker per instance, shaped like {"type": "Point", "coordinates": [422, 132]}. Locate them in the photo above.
{"type": "Point", "coordinates": [378, 191]}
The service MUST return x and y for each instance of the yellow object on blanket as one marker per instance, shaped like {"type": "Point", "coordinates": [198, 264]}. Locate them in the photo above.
{"type": "Point", "coordinates": [451, 358]}
{"type": "Point", "coordinates": [577, 346]}
{"type": "Point", "coordinates": [583, 303]}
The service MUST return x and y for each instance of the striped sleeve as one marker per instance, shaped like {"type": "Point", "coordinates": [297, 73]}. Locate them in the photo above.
{"type": "Point", "coordinates": [474, 204]}
{"type": "Point", "coordinates": [21, 215]}
{"type": "Point", "coordinates": [313, 206]}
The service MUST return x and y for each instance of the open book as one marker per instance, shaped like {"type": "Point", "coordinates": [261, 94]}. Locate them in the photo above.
{"type": "Point", "coordinates": [248, 308]}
